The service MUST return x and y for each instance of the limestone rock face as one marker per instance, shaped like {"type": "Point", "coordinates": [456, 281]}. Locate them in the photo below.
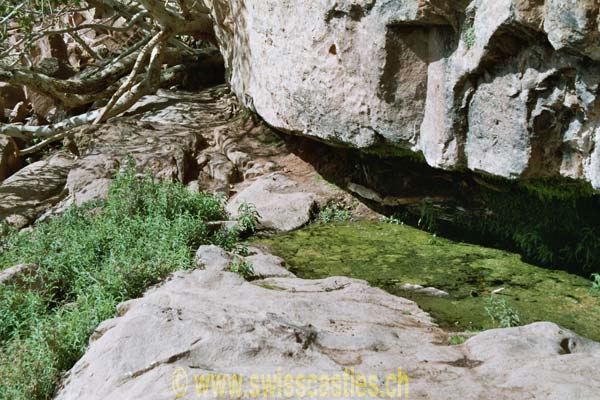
{"type": "Point", "coordinates": [505, 87]}
{"type": "Point", "coordinates": [209, 321]}
{"type": "Point", "coordinates": [32, 190]}
{"type": "Point", "coordinates": [281, 203]}
{"type": "Point", "coordinates": [9, 157]}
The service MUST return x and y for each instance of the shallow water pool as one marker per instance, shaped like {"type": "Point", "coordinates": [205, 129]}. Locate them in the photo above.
{"type": "Point", "coordinates": [389, 255]}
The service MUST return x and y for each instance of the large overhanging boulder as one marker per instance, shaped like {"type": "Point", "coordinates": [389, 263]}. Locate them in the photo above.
{"type": "Point", "coordinates": [505, 87]}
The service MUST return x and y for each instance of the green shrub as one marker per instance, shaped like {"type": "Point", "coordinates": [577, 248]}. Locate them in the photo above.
{"type": "Point", "coordinates": [551, 223]}
{"type": "Point", "coordinates": [90, 259]}
{"type": "Point", "coordinates": [501, 313]}
{"type": "Point", "coordinates": [470, 37]}
{"type": "Point", "coordinates": [243, 269]}
{"type": "Point", "coordinates": [394, 220]}
{"type": "Point", "coordinates": [248, 217]}
{"type": "Point", "coordinates": [456, 340]}
{"type": "Point", "coordinates": [427, 221]}
{"type": "Point", "coordinates": [596, 284]}
{"type": "Point", "coordinates": [434, 240]}
{"type": "Point", "coordinates": [335, 211]}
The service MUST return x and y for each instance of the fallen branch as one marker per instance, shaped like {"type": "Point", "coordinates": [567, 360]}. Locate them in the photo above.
{"type": "Point", "coordinates": [159, 38]}
{"type": "Point", "coordinates": [147, 86]}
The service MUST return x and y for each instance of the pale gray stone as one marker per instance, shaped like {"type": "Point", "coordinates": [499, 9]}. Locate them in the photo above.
{"type": "Point", "coordinates": [503, 87]}
{"type": "Point", "coordinates": [208, 321]}
{"type": "Point", "coordinates": [280, 202]}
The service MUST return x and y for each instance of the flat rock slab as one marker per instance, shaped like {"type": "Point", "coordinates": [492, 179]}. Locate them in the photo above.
{"type": "Point", "coordinates": [208, 321]}
{"type": "Point", "coordinates": [264, 265]}
{"type": "Point", "coordinates": [35, 188]}
{"type": "Point", "coordinates": [279, 200]}
{"type": "Point", "coordinates": [17, 274]}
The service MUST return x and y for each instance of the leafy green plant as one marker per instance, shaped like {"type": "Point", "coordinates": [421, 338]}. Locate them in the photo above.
{"type": "Point", "coordinates": [596, 284]}
{"type": "Point", "coordinates": [428, 217]}
{"type": "Point", "coordinates": [391, 220]}
{"type": "Point", "coordinates": [248, 217]}
{"type": "Point", "coordinates": [470, 37]}
{"type": "Point", "coordinates": [456, 340]}
{"type": "Point", "coordinates": [501, 313]}
{"type": "Point", "coordinates": [434, 240]}
{"type": "Point", "coordinates": [553, 223]}
{"type": "Point", "coordinates": [469, 32]}
{"type": "Point", "coordinates": [335, 211]}
{"type": "Point", "coordinates": [89, 260]}
{"type": "Point", "coordinates": [243, 269]}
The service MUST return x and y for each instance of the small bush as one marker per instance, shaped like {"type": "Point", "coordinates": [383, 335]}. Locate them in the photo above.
{"type": "Point", "coordinates": [248, 217]}
{"type": "Point", "coordinates": [90, 259]}
{"type": "Point", "coordinates": [596, 284]}
{"type": "Point", "coordinates": [469, 35]}
{"type": "Point", "coordinates": [335, 212]}
{"type": "Point", "coordinates": [501, 313]}
{"type": "Point", "coordinates": [456, 340]}
{"type": "Point", "coordinates": [391, 220]}
{"type": "Point", "coordinates": [243, 269]}
{"type": "Point", "coordinates": [433, 240]}
{"type": "Point", "coordinates": [427, 220]}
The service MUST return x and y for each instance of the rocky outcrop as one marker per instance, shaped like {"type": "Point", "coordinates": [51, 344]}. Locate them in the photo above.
{"type": "Point", "coordinates": [155, 135]}
{"type": "Point", "coordinates": [504, 87]}
{"type": "Point", "coordinates": [226, 154]}
{"type": "Point", "coordinates": [281, 203]}
{"type": "Point", "coordinates": [213, 322]}
{"type": "Point", "coordinates": [32, 190]}
{"type": "Point", "coordinates": [9, 157]}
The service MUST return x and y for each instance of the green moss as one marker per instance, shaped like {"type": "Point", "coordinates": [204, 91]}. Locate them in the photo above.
{"type": "Point", "coordinates": [389, 255]}
{"type": "Point", "coordinates": [268, 286]}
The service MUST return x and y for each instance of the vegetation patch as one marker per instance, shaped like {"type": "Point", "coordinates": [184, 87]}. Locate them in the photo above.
{"type": "Point", "coordinates": [90, 259]}
{"type": "Point", "coordinates": [501, 313]}
{"type": "Point", "coordinates": [335, 211]}
{"type": "Point", "coordinates": [551, 224]}
{"type": "Point", "coordinates": [456, 340]}
{"type": "Point", "coordinates": [389, 255]}
{"type": "Point", "coordinates": [244, 269]}
{"type": "Point", "coordinates": [596, 284]}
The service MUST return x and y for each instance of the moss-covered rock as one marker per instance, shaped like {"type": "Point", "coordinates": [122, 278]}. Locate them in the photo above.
{"type": "Point", "coordinates": [389, 256]}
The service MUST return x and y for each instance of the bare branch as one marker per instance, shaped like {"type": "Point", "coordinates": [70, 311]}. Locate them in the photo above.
{"type": "Point", "coordinates": [84, 45]}
{"type": "Point", "coordinates": [147, 86]}
{"type": "Point", "coordinates": [159, 38]}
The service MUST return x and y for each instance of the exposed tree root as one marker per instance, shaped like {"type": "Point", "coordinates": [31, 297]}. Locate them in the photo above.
{"type": "Point", "coordinates": [154, 28]}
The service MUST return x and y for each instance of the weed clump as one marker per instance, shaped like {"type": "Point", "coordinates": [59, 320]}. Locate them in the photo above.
{"type": "Point", "coordinates": [501, 313]}
{"type": "Point", "coordinates": [90, 259]}
{"type": "Point", "coordinates": [335, 211]}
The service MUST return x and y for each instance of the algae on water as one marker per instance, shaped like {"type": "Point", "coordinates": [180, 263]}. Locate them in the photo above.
{"type": "Point", "coordinates": [388, 256]}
